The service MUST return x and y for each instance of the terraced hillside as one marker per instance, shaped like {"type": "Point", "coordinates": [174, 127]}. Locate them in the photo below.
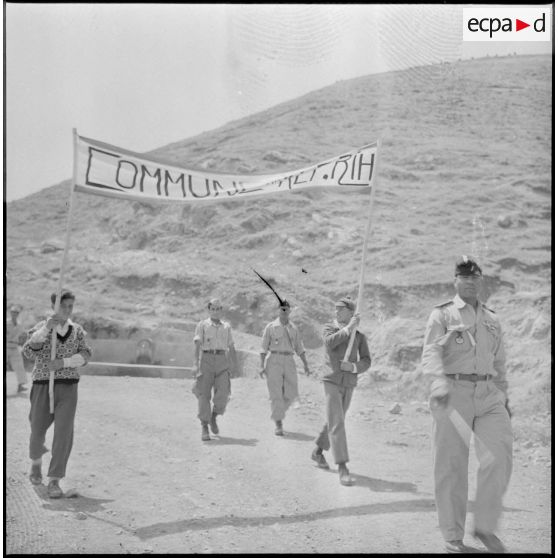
{"type": "Point", "coordinates": [465, 167]}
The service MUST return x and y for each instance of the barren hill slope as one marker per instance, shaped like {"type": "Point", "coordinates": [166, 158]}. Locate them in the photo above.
{"type": "Point", "coordinates": [465, 167]}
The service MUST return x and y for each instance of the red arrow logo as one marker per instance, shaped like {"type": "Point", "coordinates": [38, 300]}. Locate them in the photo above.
{"type": "Point", "coordinates": [519, 25]}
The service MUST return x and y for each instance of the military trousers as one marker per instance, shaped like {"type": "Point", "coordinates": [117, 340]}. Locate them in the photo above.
{"type": "Point", "coordinates": [16, 360]}
{"type": "Point", "coordinates": [481, 406]}
{"type": "Point", "coordinates": [282, 383]}
{"type": "Point", "coordinates": [40, 418]}
{"type": "Point", "coordinates": [333, 434]}
{"type": "Point", "coordinates": [213, 376]}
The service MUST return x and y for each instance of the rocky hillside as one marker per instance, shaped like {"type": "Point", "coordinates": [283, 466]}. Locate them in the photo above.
{"type": "Point", "coordinates": [464, 167]}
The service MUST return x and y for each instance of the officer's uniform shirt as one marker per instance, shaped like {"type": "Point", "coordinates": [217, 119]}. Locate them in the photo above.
{"type": "Point", "coordinates": [460, 339]}
{"type": "Point", "coordinates": [282, 338]}
{"type": "Point", "coordinates": [213, 336]}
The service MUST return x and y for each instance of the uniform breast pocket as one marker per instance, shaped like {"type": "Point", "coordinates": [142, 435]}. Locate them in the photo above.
{"type": "Point", "coordinates": [492, 334]}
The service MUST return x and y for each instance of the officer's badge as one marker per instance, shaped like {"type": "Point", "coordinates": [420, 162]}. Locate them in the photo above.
{"type": "Point", "coordinates": [459, 329]}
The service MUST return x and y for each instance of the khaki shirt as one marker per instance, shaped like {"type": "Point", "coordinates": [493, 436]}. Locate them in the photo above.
{"type": "Point", "coordinates": [214, 336]}
{"type": "Point", "coordinates": [282, 338]}
{"type": "Point", "coordinates": [13, 333]}
{"type": "Point", "coordinates": [460, 339]}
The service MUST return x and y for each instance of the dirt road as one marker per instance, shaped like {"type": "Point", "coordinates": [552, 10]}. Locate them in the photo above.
{"type": "Point", "coordinates": [148, 484]}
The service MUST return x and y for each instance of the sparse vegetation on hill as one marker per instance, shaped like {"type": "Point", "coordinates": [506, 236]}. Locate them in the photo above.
{"type": "Point", "coordinates": [465, 167]}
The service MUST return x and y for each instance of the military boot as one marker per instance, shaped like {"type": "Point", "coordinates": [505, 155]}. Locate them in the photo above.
{"type": "Point", "coordinates": [213, 424]}
{"type": "Point", "coordinates": [205, 432]}
{"type": "Point", "coordinates": [35, 476]}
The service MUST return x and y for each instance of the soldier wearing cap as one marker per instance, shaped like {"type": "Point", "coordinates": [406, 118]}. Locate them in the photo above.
{"type": "Point", "coordinates": [464, 354]}
{"type": "Point", "coordinates": [340, 383]}
{"type": "Point", "coordinates": [280, 341]}
{"type": "Point", "coordinates": [214, 352]}
{"type": "Point", "coordinates": [15, 337]}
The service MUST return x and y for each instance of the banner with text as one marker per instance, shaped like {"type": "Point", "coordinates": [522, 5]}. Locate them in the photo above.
{"type": "Point", "coordinates": [107, 170]}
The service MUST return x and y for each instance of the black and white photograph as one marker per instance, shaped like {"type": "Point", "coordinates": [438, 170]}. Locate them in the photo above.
{"type": "Point", "coordinates": [278, 278]}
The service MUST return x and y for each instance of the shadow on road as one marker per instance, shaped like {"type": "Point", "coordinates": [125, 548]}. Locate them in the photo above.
{"type": "Point", "coordinates": [226, 441]}
{"type": "Point", "coordinates": [83, 506]}
{"type": "Point", "coordinates": [379, 485]}
{"type": "Point", "coordinates": [180, 526]}
{"type": "Point", "coordinates": [76, 504]}
{"type": "Point", "coordinates": [299, 436]}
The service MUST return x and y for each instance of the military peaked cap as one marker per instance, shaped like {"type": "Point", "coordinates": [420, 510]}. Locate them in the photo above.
{"type": "Point", "coordinates": [467, 266]}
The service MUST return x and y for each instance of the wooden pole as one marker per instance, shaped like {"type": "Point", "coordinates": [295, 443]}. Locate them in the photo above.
{"type": "Point", "coordinates": [62, 269]}
{"type": "Point", "coordinates": [364, 250]}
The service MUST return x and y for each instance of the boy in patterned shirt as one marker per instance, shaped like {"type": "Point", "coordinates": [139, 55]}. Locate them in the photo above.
{"type": "Point", "coordinates": [72, 351]}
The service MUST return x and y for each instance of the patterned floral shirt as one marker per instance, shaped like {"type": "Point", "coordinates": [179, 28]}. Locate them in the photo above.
{"type": "Point", "coordinates": [71, 343]}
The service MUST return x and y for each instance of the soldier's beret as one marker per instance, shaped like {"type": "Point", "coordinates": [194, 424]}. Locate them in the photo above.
{"type": "Point", "coordinates": [347, 302]}
{"type": "Point", "coordinates": [214, 303]}
{"type": "Point", "coordinates": [467, 266]}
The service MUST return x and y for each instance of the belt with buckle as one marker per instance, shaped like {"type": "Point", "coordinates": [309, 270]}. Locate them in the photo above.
{"type": "Point", "coordinates": [215, 351]}
{"type": "Point", "coordinates": [470, 377]}
{"type": "Point", "coordinates": [281, 353]}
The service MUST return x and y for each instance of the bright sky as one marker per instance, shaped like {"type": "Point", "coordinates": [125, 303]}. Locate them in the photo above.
{"type": "Point", "coordinates": [140, 76]}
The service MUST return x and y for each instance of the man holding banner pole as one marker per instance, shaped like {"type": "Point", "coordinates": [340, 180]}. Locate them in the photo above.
{"type": "Point", "coordinates": [345, 362]}
{"type": "Point", "coordinates": [464, 354]}
{"type": "Point", "coordinates": [348, 355]}
{"type": "Point", "coordinates": [71, 351]}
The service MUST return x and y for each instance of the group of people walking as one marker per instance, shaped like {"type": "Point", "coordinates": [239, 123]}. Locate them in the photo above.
{"type": "Point", "coordinates": [464, 358]}
{"type": "Point", "coordinates": [215, 356]}
{"type": "Point", "coordinates": [463, 354]}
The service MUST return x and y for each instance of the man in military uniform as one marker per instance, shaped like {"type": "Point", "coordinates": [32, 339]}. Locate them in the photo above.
{"type": "Point", "coordinates": [214, 353]}
{"type": "Point", "coordinates": [15, 337]}
{"type": "Point", "coordinates": [340, 383]}
{"type": "Point", "coordinates": [464, 354]}
{"type": "Point", "coordinates": [281, 340]}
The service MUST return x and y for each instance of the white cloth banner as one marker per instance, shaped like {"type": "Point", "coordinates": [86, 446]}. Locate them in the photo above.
{"type": "Point", "coordinates": [107, 170]}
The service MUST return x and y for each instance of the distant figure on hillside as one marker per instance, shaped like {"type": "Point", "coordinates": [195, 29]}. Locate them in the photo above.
{"type": "Point", "coordinates": [72, 351]}
{"type": "Point", "coordinates": [214, 356]}
{"type": "Point", "coordinates": [464, 355]}
{"type": "Point", "coordinates": [340, 383]}
{"type": "Point", "coordinates": [15, 338]}
{"type": "Point", "coordinates": [281, 340]}
{"type": "Point", "coordinates": [144, 352]}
